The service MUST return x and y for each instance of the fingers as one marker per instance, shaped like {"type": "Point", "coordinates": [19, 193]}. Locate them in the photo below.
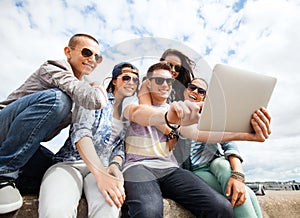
{"type": "Point", "coordinates": [261, 125]}
{"type": "Point", "coordinates": [184, 113]}
{"type": "Point", "coordinates": [115, 196]}
{"type": "Point", "coordinates": [107, 198]}
{"type": "Point", "coordinates": [238, 199]}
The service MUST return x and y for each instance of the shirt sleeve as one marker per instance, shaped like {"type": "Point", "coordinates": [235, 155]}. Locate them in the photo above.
{"type": "Point", "coordinates": [60, 75]}
{"type": "Point", "coordinates": [128, 101]}
{"type": "Point", "coordinates": [82, 120]}
{"type": "Point", "coordinates": [231, 148]}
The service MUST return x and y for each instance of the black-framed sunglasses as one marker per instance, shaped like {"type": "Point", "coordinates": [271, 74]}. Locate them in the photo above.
{"type": "Point", "coordinates": [85, 52]}
{"type": "Point", "coordinates": [161, 80]}
{"type": "Point", "coordinates": [177, 68]}
{"type": "Point", "coordinates": [193, 87]}
{"type": "Point", "coordinates": [127, 78]}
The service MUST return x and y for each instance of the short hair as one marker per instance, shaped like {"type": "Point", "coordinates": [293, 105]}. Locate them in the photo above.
{"type": "Point", "coordinates": [75, 38]}
{"type": "Point", "coordinates": [201, 79]}
{"type": "Point", "coordinates": [158, 66]}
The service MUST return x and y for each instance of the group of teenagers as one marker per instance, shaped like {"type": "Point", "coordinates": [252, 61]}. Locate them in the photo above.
{"type": "Point", "coordinates": [130, 144]}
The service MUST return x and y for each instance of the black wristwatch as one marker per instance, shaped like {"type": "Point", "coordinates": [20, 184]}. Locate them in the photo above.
{"type": "Point", "coordinates": [172, 135]}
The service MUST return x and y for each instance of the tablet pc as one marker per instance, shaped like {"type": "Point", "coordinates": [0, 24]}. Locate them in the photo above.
{"type": "Point", "coordinates": [233, 95]}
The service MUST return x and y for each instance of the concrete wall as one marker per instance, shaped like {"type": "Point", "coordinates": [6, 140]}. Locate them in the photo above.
{"type": "Point", "coordinates": [275, 204]}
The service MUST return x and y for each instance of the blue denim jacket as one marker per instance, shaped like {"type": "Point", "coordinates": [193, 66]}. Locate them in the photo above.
{"type": "Point", "coordinates": [204, 152]}
{"type": "Point", "coordinates": [96, 124]}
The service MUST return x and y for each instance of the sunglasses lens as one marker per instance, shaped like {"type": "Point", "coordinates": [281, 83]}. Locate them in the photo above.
{"type": "Point", "coordinates": [126, 78]}
{"type": "Point", "coordinates": [135, 80]}
{"type": "Point", "coordinates": [177, 68]}
{"type": "Point", "coordinates": [159, 81]}
{"type": "Point", "coordinates": [192, 87]}
{"type": "Point", "coordinates": [98, 58]}
{"type": "Point", "coordinates": [86, 52]}
{"type": "Point", "coordinates": [169, 81]}
{"type": "Point", "coordinates": [201, 91]}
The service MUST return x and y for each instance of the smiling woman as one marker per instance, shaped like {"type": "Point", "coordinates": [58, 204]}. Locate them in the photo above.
{"type": "Point", "coordinates": [95, 163]}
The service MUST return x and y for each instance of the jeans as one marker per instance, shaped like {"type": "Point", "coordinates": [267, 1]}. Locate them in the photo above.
{"type": "Point", "coordinates": [144, 198]}
{"type": "Point", "coordinates": [26, 122]}
{"type": "Point", "coordinates": [217, 175]}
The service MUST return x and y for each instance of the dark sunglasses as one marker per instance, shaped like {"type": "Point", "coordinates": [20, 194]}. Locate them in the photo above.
{"type": "Point", "coordinates": [161, 80]}
{"type": "Point", "coordinates": [127, 78]}
{"type": "Point", "coordinates": [177, 68]}
{"type": "Point", "coordinates": [85, 52]}
{"type": "Point", "coordinates": [193, 87]}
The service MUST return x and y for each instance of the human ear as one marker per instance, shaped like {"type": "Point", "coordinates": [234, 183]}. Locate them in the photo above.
{"type": "Point", "coordinates": [67, 51]}
{"type": "Point", "coordinates": [148, 83]}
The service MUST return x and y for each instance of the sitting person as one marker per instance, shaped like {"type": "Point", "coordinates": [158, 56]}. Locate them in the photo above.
{"type": "Point", "coordinates": [92, 157]}
{"type": "Point", "coordinates": [40, 108]}
{"type": "Point", "coordinates": [218, 164]}
{"type": "Point", "coordinates": [151, 171]}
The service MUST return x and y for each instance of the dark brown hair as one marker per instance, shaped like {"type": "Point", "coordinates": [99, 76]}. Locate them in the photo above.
{"type": "Point", "coordinates": [157, 66]}
{"type": "Point", "coordinates": [186, 72]}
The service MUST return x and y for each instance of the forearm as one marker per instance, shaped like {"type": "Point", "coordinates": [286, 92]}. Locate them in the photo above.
{"type": "Point", "coordinates": [193, 133]}
{"type": "Point", "coordinates": [235, 164]}
{"type": "Point", "coordinates": [89, 155]}
{"type": "Point", "coordinates": [144, 115]}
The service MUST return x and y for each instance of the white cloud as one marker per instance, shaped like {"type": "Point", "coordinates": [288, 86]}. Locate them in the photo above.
{"type": "Point", "coordinates": [263, 36]}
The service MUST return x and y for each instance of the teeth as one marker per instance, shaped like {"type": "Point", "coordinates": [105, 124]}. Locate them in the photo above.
{"type": "Point", "coordinates": [192, 97]}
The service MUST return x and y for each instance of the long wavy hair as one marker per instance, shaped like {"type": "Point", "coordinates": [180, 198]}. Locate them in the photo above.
{"type": "Point", "coordinates": [185, 73]}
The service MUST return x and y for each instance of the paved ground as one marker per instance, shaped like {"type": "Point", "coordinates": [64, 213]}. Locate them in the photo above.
{"type": "Point", "coordinates": [280, 204]}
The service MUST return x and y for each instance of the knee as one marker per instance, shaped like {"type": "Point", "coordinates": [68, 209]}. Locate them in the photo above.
{"type": "Point", "coordinates": [63, 103]}
{"type": "Point", "coordinates": [57, 101]}
{"type": "Point", "coordinates": [221, 164]}
{"type": "Point", "coordinates": [223, 208]}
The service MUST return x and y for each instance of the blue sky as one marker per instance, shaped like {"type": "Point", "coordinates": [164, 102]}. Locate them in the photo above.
{"type": "Point", "coordinates": [261, 36]}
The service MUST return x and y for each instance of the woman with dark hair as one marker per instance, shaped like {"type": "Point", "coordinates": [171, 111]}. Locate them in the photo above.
{"type": "Point", "coordinates": [181, 69]}
{"type": "Point", "coordinates": [92, 157]}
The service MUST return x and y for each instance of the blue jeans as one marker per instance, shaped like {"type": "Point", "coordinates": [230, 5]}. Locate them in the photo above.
{"type": "Point", "coordinates": [26, 122]}
{"type": "Point", "coordinates": [145, 189]}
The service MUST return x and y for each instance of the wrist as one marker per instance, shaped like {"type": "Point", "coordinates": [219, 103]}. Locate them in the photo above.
{"type": "Point", "coordinates": [117, 163]}
{"type": "Point", "coordinates": [173, 127]}
{"type": "Point", "coordinates": [238, 176]}
{"type": "Point", "coordinates": [173, 134]}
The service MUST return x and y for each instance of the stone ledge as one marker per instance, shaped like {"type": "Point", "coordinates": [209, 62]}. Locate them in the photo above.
{"type": "Point", "coordinates": [274, 204]}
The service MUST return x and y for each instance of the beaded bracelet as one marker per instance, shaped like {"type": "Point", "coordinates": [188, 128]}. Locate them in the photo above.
{"type": "Point", "coordinates": [238, 175]}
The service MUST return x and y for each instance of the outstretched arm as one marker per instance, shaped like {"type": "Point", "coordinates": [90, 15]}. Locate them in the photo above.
{"type": "Point", "coordinates": [183, 113]}
{"type": "Point", "coordinates": [260, 122]}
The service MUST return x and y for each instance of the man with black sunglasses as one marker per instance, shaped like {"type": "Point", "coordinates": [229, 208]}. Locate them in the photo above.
{"type": "Point", "coordinates": [151, 171]}
{"type": "Point", "coordinates": [39, 109]}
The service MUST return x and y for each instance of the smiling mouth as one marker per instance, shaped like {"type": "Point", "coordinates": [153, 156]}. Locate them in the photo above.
{"type": "Point", "coordinates": [193, 97]}
{"type": "Point", "coordinates": [88, 65]}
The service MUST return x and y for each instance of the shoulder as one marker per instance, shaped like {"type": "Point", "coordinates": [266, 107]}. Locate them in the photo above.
{"type": "Point", "coordinates": [62, 64]}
